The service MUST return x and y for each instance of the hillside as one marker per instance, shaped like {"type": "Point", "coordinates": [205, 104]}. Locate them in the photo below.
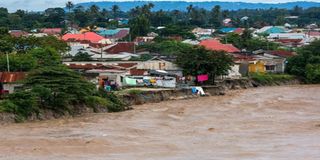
{"type": "Point", "coordinates": [181, 5]}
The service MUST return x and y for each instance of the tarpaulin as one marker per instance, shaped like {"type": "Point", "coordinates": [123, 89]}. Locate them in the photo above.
{"type": "Point", "coordinates": [202, 77]}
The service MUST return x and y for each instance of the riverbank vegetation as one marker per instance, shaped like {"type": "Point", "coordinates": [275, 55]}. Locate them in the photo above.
{"type": "Point", "coordinates": [270, 79]}
{"type": "Point", "coordinates": [306, 64]}
{"type": "Point", "coordinates": [45, 88]}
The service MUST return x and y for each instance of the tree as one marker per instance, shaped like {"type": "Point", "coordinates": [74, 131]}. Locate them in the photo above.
{"type": "Point", "coordinates": [216, 16]}
{"type": "Point", "coordinates": [139, 26]}
{"type": "Point", "coordinates": [6, 46]}
{"type": "Point", "coordinates": [189, 8]}
{"type": "Point", "coordinates": [82, 56]}
{"type": "Point", "coordinates": [115, 9]}
{"type": "Point", "coordinates": [69, 5]}
{"type": "Point", "coordinates": [94, 9]}
{"type": "Point", "coordinates": [46, 56]}
{"type": "Point", "coordinates": [168, 47]}
{"type": "Point", "coordinates": [306, 63]}
{"type": "Point", "coordinates": [54, 17]}
{"type": "Point", "coordinates": [198, 61]}
{"type": "Point", "coordinates": [59, 86]}
{"type": "Point", "coordinates": [18, 63]}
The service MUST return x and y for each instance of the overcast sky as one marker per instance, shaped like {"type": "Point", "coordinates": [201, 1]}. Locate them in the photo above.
{"type": "Point", "coordinates": [39, 5]}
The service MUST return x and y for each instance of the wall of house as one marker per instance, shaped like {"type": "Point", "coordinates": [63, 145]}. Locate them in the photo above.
{"type": "Point", "coordinates": [158, 65]}
{"type": "Point", "coordinates": [234, 72]}
{"type": "Point", "coordinates": [10, 87]}
{"type": "Point", "coordinates": [257, 67]}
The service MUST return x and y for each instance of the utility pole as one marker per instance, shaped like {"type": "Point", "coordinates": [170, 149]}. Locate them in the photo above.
{"type": "Point", "coordinates": [101, 50]}
{"type": "Point", "coordinates": [8, 63]}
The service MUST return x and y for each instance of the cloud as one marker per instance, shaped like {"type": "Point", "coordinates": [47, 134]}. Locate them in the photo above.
{"type": "Point", "coordinates": [40, 5]}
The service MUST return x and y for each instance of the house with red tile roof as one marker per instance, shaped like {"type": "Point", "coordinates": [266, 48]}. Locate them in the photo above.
{"type": "Point", "coordinates": [120, 47]}
{"type": "Point", "coordinates": [215, 45]}
{"type": "Point", "coordinates": [18, 33]}
{"type": "Point", "coordinates": [89, 37]}
{"type": "Point", "coordinates": [51, 31]}
{"type": "Point", "coordinates": [10, 80]}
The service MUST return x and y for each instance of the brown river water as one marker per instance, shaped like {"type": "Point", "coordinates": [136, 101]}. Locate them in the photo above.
{"type": "Point", "coordinates": [260, 124]}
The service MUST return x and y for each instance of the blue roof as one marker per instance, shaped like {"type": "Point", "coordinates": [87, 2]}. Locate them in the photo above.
{"type": "Point", "coordinates": [227, 30]}
{"type": "Point", "coordinates": [108, 32]}
{"type": "Point", "coordinates": [275, 30]}
{"type": "Point", "coordinates": [124, 21]}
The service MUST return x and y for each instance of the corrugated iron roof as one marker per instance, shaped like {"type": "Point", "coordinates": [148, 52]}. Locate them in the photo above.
{"type": "Point", "coordinates": [137, 72]}
{"type": "Point", "coordinates": [282, 53]}
{"type": "Point", "coordinates": [51, 31]}
{"type": "Point", "coordinates": [11, 77]}
{"type": "Point", "coordinates": [121, 47]}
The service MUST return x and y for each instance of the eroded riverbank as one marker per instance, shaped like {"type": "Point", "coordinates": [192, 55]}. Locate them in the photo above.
{"type": "Point", "coordinates": [263, 123]}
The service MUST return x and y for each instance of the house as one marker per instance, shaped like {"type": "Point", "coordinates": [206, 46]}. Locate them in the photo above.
{"type": "Point", "coordinates": [143, 39]}
{"type": "Point", "coordinates": [190, 41]}
{"type": "Point", "coordinates": [227, 22]}
{"type": "Point", "coordinates": [282, 53]}
{"type": "Point", "coordinates": [199, 32]}
{"type": "Point", "coordinates": [122, 21]}
{"type": "Point", "coordinates": [96, 72]}
{"type": "Point", "coordinates": [215, 45]}
{"type": "Point", "coordinates": [116, 34]}
{"type": "Point", "coordinates": [287, 36]}
{"type": "Point", "coordinates": [312, 36]}
{"type": "Point", "coordinates": [89, 37]}
{"type": "Point", "coordinates": [256, 66]}
{"type": "Point", "coordinates": [227, 30]}
{"type": "Point", "coordinates": [290, 42]}
{"type": "Point", "coordinates": [38, 35]}
{"type": "Point", "coordinates": [272, 63]}
{"type": "Point", "coordinates": [232, 30]}
{"type": "Point", "coordinates": [160, 64]}
{"type": "Point", "coordinates": [99, 53]}
{"type": "Point", "coordinates": [271, 29]}
{"type": "Point", "coordinates": [10, 80]}
{"type": "Point", "coordinates": [51, 31]}
{"type": "Point", "coordinates": [123, 56]}
{"type": "Point", "coordinates": [18, 33]}
{"type": "Point", "coordinates": [233, 72]}
{"type": "Point", "coordinates": [119, 47]}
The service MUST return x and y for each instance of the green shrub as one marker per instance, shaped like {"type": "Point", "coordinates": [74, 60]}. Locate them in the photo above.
{"type": "Point", "coordinates": [313, 73]}
{"type": "Point", "coordinates": [114, 102]}
{"type": "Point", "coordinates": [268, 78]}
{"type": "Point", "coordinates": [134, 92]}
{"type": "Point", "coordinates": [95, 102]}
{"type": "Point", "coordinates": [23, 104]}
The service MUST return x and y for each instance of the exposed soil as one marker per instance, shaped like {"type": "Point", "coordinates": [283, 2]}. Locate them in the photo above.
{"type": "Point", "coordinates": [261, 123]}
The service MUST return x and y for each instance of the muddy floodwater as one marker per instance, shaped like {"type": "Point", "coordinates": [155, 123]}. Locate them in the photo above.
{"type": "Point", "coordinates": [261, 124]}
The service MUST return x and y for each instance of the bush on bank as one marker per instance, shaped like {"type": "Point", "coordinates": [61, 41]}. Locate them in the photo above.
{"type": "Point", "coordinates": [268, 78]}
{"type": "Point", "coordinates": [60, 90]}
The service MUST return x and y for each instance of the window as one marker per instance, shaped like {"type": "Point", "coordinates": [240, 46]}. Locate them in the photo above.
{"type": "Point", "coordinates": [270, 68]}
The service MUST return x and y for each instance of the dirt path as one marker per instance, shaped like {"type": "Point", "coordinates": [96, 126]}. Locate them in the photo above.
{"type": "Point", "coordinates": [264, 123]}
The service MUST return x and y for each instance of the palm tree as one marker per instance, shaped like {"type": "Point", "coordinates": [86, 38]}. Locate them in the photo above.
{"type": "Point", "coordinates": [190, 8]}
{"type": "Point", "coordinates": [176, 13]}
{"type": "Point", "coordinates": [94, 9]}
{"type": "Point", "coordinates": [115, 10]}
{"type": "Point", "coordinates": [225, 14]}
{"type": "Point", "coordinates": [150, 5]}
{"type": "Point", "coordinates": [69, 5]}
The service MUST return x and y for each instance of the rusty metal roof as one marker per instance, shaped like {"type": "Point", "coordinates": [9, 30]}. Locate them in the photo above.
{"type": "Point", "coordinates": [11, 77]}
